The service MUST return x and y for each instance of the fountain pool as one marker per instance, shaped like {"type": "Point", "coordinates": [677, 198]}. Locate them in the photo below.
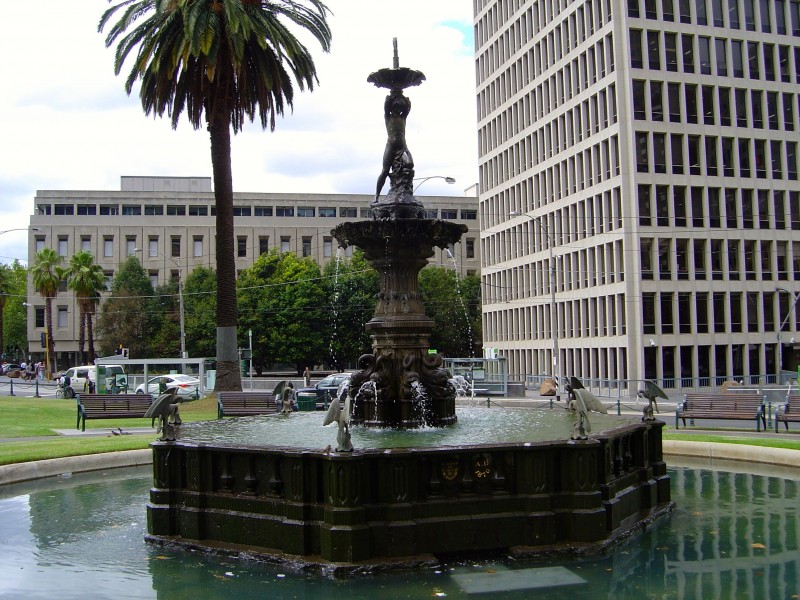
{"type": "Point", "coordinates": [734, 534]}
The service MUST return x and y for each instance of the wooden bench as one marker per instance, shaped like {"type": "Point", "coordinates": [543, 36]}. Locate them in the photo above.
{"type": "Point", "coordinates": [111, 406]}
{"type": "Point", "coordinates": [729, 406]}
{"type": "Point", "coordinates": [789, 411]}
{"type": "Point", "coordinates": [244, 404]}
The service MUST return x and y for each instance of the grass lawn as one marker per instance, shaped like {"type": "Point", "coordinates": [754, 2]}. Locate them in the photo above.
{"type": "Point", "coordinates": [38, 417]}
{"type": "Point", "coordinates": [790, 443]}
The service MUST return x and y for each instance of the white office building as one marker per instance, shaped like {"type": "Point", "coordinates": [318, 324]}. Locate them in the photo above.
{"type": "Point", "coordinates": [641, 156]}
{"type": "Point", "coordinates": [169, 223]}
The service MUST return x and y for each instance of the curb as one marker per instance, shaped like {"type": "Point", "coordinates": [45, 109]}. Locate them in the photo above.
{"type": "Point", "coordinates": [738, 452]}
{"type": "Point", "coordinates": [53, 467]}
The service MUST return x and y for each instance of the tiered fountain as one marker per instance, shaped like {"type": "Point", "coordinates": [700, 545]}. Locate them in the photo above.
{"type": "Point", "coordinates": [392, 501]}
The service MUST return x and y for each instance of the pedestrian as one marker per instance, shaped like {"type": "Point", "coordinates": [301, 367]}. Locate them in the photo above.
{"type": "Point", "coordinates": [40, 370]}
{"type": "Point", "coordinates": [307, 377]}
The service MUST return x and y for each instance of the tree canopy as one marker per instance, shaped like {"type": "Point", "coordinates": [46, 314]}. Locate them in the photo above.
{"type": "Point", "coordinates": [453, 302]}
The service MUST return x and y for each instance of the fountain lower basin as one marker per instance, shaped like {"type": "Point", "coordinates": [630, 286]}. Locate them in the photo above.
{"type": "Point", "coordinates": [395, 503]}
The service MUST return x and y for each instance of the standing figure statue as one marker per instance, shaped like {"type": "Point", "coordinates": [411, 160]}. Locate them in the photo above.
{"type": "Point", "coordinates": [396, 157]}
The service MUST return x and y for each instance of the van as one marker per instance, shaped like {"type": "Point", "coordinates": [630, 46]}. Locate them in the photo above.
{"type": "Point", "coordinates": [79, 377]}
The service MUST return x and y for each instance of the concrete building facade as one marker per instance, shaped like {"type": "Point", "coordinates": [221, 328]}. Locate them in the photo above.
{"type": "Point", "coordinates": [639, 198]}
{"type": "Point", "coordinates": [169, 223]}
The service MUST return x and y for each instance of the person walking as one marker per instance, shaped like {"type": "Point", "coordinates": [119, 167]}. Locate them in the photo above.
{"type": "Point", "coordinates": [307, 377]}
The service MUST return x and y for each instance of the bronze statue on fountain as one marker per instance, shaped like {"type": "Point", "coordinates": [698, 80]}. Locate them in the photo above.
{"type": "Point", "coordinates": [400, 384]}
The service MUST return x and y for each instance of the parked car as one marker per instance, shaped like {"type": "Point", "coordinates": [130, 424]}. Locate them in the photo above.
{"type": "Point", "coordinates": [324, 390]}
{"type": "Point", "coordinates": [10, 367]}
{"type": "Point", "coordinates": [187, 386]}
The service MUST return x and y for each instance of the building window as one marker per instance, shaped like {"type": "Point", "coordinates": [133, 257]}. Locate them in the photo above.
{"type": "Point", "coordinates": [328, 211]}
{"type": "Point", "coordinates": [38, 316]}
{"type": "Point", "coordinates": [263, 211]}
{"type": "Point", "coordinates": [130, 246]}
{"type": "Point", "coordinates": [284, 211]}
{"type": "Point", "coordinates": [470, 248]}
{"type": "Point", "coordinates": [62, 317]}
{"type": "Point", "coordinates": [109, 210]}
{"type": "Point", "coordinates": [305, 211]}
{"type": "Point", "coordinates": [241, 246]}
{"type": "Point", "coordinates": [348, 212]}
{"type": "Point", "coordinates": [152, 247]}
{"type": "Point", "coordinates": [153, 210]}
{"type": "Point", "coordinates": [285, 243]}
{"type": "Point", "coordinates": [469, 215]}
{"type": "Point", "coordinates": [153, 275]}
{"type": "Point", "coordinates": [327, 247]}
{"type": "Point", "coordinates": [197, 244]}
{"type": "Point", "coordinates": [241, 211]}
{"type": "Point", "coordinates": [39, 244]}
{"type": "Point", "coordinates": [109, 277]}
{"type": "Point", "coordinates": [62, 246]}
{"type": "Point", "coordinates": [175, 246]}
{"type": "Point", "coordinates": [449, 214]}
{"type": "Point", "coordinates": [44, 209]}
{"type": "Point", "coordinates": [198, 211]}
{"type": "Point", "coordinates": [637, 61]}
{"type": "Point", "coordinates": [431, 213]}
{"type": "Point", "coordinates": [87, 209]}
{"type": "Point", "coordinates": [365, 213]}
{"type": "Point", "coordinates": [176, 211]}
{"type": "Point", "coordinates": [263, 244]}
{"type": "Point", "coordinates": [64, 209]}
{"type": "Point", "coordinates": [86, 243]}
{"type": "Point", "coordinates": [306, 246]}
{"type": "Point", "coordinates": [131, 210]}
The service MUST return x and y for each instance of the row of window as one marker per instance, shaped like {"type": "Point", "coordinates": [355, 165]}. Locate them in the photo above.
{"type": "Point", "coordinates": [712, 208]}
{"type": "Point", "coordinates": [608, 362]}
{"type": "Point", "coordinates": [693, 259]}
{"type": "Point", "coordinates": [720, 362]}
{"type": "Point", "coordinates": [714, 56]}
{"type": "Point", "coordinates": [586, 18]}
{"type": "Point", "coordinates": [734, 14]}
{"type": "Point", "coordinates": [597, 316]}
{"type": "Point", "coordinates": [756, 158]}
{"type": "Point", "coordinates": [714, 312]}
{"type": "Point", "coordinates": [718, 106]}
{"type": "Point", "coordinates": [585, 218]}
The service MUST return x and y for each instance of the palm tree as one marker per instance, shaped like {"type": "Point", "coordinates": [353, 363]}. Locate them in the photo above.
{"type": "Point", "coordinates": [221, 61]}
{"type": "Point", "coordinates": [47, 274]}
{"type": "Point", "coordinates": [5, 290]}
{"type": "Point", "coordinates": [86, 279]}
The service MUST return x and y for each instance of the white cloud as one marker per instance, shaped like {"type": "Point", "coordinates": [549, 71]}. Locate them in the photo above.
{"type": "Point", "coordinates": [68, 124]}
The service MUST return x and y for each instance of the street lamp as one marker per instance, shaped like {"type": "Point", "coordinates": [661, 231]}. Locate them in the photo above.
{"type": "Point", "coordinates": [19, 229]}
{"type": "Point", "coordinates": [553, 306]}
{"type": "Point", "coordinates": [783, 324]}
{"type": "Point", "coordinates": [422, 180]}
{"type": "Point", "coordinates": [180, 298]}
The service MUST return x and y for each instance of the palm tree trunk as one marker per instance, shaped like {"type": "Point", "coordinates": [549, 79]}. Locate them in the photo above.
{"type": "Point", "coordinates": [228, 375]}
{"type": "Point", "coordinates": [82, 334]}
{"type": "Point", "coordinates": [90, 336]}
{"type": "Point", "coordinates": [50, 360]}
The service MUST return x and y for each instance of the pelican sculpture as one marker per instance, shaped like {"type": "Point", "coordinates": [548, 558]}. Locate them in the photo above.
{"type": "Point", "coordinates": [650, 393]}
{"type": "Point", "coordinates": [584, 402]}
{"type": "Point", "coordinates": [336, 414]}
{"type": "Point", "coordinates": [165, 409]}
{"type": "Point", "coordinates": [284, 395]}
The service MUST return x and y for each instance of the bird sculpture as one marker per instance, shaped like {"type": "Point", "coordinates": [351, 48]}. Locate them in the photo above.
{"type": "Point", "coordinates": [284, 393]}
{"type": "Point", "coordinates": [574, 384]}
{"type": "Point", "coordinates": [340, 416]}
{"type": "Point", "coordinates": [584, 402]}
{"type": "Point", "coordinates": [650, 393]}
{"type": "Point", "coordinates": [165, 409]}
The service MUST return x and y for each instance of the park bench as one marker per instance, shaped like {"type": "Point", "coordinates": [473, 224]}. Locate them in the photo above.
{"type": "Point", "coordinates": [728, 406]}
{"type": "Point", "coordinates": [244, 404]}
{"type": "Point", "coordinates": [111, 406]}
{"type": "Point", "coordinates": [789, 411]}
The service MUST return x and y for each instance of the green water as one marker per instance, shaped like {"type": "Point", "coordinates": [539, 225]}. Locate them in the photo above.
{"type": "Point", "coordinates": [475, 425]}
{"type": "Point", "coordinates": [732, 535]}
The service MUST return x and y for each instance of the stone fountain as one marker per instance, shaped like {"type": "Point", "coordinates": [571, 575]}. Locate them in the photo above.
{"type": "Point", "coordinates": [294, 499]}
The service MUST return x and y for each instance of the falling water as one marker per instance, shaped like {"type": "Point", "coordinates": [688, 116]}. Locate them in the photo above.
{"type": "Point", "coordinates": [368, 388]}
{"type": "Point", "coordinates": [335, 305]}
{"type": "Point", "coordinates": [421, 399]}
{"type": "Point", "coordinates": [463, 306]}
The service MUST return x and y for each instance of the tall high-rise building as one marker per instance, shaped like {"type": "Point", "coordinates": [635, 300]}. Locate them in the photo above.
{"type": "Point", "coordinates": [638, 174]}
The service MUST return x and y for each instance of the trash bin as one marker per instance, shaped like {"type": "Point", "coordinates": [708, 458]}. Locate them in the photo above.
{"type": "Point", "coordinates": [306, 401]}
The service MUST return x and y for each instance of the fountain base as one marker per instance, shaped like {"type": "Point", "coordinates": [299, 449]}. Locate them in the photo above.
{"type": "Point", "coordinates": [384, 508]}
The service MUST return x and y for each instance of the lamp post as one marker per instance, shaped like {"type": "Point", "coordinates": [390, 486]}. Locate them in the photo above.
{"type": "Point", "coordinates": [19, 229]}
{"type": "Point", "coordinates": [553, 306]}
{"type": "Point", "coordinates": [422, 180]}
{"type": "Point", "coordinates": [796, 297]}
{"type": "Point", "coordinates": [180, 298]}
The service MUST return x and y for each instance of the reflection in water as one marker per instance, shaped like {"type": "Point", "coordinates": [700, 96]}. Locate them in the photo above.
{"type": "Point", "coordinates": [733, 535]}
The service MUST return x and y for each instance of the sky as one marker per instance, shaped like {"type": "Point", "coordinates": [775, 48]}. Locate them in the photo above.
{"type": "Point", "coordinates": [66, 122]}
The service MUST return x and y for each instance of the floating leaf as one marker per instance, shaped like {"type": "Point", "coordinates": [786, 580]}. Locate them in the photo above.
{"type": "Point", "coordinates": [759, 546]}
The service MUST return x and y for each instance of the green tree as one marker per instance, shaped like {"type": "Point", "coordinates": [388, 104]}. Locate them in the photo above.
{"type": "Point", "coordinates": [47, 274]}
{"type": "Point", "coordinates": [5, 292]}
{"type": "Point", "coordinates": [200, 302]}
{"type": "Point", "coordinates": [166, 340]}
{"type": "Point", "coordinates": [221, 61]}
{"type": "Point", "coordinates": [15, 322]}
{"type": "Point", "coordinates": [454, 305]}
{"type": "Point", "coordinates": [86, 279]}
{"type": "Point", "coordinates": [130, 316]}
{"type": "Point", "coordinates": [281, 299]}
{"type": "Point", "coordinates": [350, 287]}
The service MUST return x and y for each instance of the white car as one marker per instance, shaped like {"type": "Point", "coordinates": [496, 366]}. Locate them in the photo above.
{"type": "Point", "coordinates": [187, 386]}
